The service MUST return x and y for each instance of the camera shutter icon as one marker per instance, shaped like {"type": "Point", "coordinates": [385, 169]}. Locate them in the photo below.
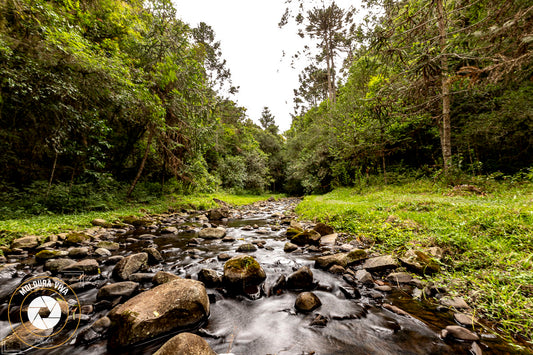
{"type": "Point", "coordinates": [54, 312]}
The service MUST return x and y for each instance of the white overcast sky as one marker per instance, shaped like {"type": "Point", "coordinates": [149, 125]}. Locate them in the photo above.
{"type": "Point", "coordinates": [253, 45]}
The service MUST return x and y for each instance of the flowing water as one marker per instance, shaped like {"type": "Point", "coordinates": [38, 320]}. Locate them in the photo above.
{"type": "Point", "coordinates": [270, 324]}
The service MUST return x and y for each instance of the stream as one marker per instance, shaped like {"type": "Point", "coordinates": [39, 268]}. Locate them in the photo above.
{"type": "Point", "coordinates": [265, 322]}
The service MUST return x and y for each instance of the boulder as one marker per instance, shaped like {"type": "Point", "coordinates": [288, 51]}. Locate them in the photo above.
{"type": "Point", "coordinates": [454, 302]}
{"type": "Point", "coordinates": [399, 277]}
{"type": "Point", "coordinates": [380, 263]}
{"type": "Point", "coordinates": [307, 301]}
{"type": "Point", "coordinates": [87, 266]}
{"type": "Point", "coordinates": [75, 238]}
{"type": "Point", "coordinates": [242, 271]}
{"type": "Point", "coordinates": [302, 279]}
{"type": "Point", "coordinates": [329, 239]}
{"type": "Point", "coordinates": [102, 252]}
{"type": "Point", "coordinates": [185, 344]}
{"type": "Point", "coordinates": [154, 256]}
{"type": "Point", "coordinates": [217, 214]}
{"type": "Point", "coordinates": [78, 252]}
{"type": "Point", "coordinates": [212, 233]}
{"type": "Point", "coordinates": [129, 265]}
{"type": "Point", "coordinates": [162, 277]}
{"type": "Point", "coordinates": [172, 306]}
{"type": "Point", "coordinates": [209, 277]}
{"type": "Point", "coordinates": [326, 261]}
{"type": "Point", "coordinates": [112, 246]}
{"type": "Point", "coordinates": [94, 332]}
{"type": "Point", "coordinates": [307, 237]}
{"type": "Point", "coordinates": [118, 289]}
{"type": "Point", "coordinates": [28, 242]}
{"type": "Point", "coordinates": [323, 229]}
{"type": "Point", "coordinates": [98, 222]}
{"type": "Point", "coordinates": [356, 255]}
{"type": "Point", "coordinates": [246, 248]}
{"type": "Point", "coordinates": [45, 255]}
{"type": "Point", "coordinates": [24, 336]}
{"type": "Point", "coordinates": [364, 277]}
{"type": "Point", "coordinates": [55, 265]}
{"type": "Point", "coordinates": [289, 247]}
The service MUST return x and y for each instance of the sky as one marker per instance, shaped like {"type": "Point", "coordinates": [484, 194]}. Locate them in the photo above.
{"type": "Point", "coordinates": [253, 46]}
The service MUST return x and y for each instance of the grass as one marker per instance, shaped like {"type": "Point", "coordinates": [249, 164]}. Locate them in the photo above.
{"type": "Point", "coordinates": [488, 239]}
{"type": "Point", "coordinates": [58, 223]}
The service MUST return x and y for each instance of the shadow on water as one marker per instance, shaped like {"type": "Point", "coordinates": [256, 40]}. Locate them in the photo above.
{"type": "Point", "coordinates": [271, 325]}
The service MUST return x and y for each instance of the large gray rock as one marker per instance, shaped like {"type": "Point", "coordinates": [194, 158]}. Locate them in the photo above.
{"type": "Point", "coordinates": [323, 229]}
{"type": "Point", "coordinates": [27, 242]}
{"type": "Point", "coordinates": [212, 233]}
{"type": "Point", "coordinates": [55, 265]}
{"type": "Point", "coordinates": [380, 263]}
{"type": "Point", "coordinates": [329, 239]}
{"type": "Point", "coordinates": [185, 344]}
{"type": "Point", "coordinates": [242, 271]}
{"type": "Point", "coordinates": [218, 214]}
{"type": "Point", "coordinates": [108, 245]}
{"type": "Point", "coordinates": [24, 336]}
{"type": "Point", "coordinates": [129, 265]}
{"type": "Point", "coordinates": [117, 289]}
{"type": "Point", "coordinates": [307, 237]}
{"type": "Point", "coordinates": [209, 277]}
{"type": "Point", "coordinates": [172, 306]}
{"type": "Point", "coordinates": [45, 255]}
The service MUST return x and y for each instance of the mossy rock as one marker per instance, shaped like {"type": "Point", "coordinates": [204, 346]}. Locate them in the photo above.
{"type": "Point", "coordinates": [307, 237]}
{"type": "Point", "coordinates": [108, 245]}
{"type": "Point", "coordinates": [44, 255]}
{"type": "Point", "coordinates": [292, 232]}
{"type": "Point", "coordinates": [136, 221]}
{"type": "Point", "coordinates": [242, 271]}
{"type": "Point", "coordinates": [76, 238]}
{"type": "Point", "coordinates": [356, 255]}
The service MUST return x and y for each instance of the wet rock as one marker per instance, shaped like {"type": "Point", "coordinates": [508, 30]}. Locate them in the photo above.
{"type": "Point", "coordinates": [27, 331]}
{"type": "Point", "coordinates": [246, 248]}
{"type": "Point", "coordinates": [356, 255]}
{"type": "Point", "coordinates": [296, 225]}
{"type": "Point", "coordinates": [45, 255]}
{"type": "Point", "coordinates": [475, 349]}
{"type": "Point", "coordinates": [279, 285]}
{"type": "Point", "coordinates": [336, 269]}
{"type": "Point", "coordinates": [98, 222]}
{"type": "Point", "coordinates": [78, 253]}
{"type": "Point", "coordinates": [307, 301]}
{"type": "Point", "coordinates": [383, 288]}
{"type": "Point", "coordinates": [218, 214]}
{"type": "Point", "coordinates": [87, 266]}
{"type": "Point", "coordinates": [223, 256]}
{"type": "Point", "coordinates": [395, 309]}
{"type": "Point", "coordinates": [76, 238]}
{"type": "Point", "coordinates": [129, 265]}
{"type": "Point", "coordinates": [454, 302]}
{"type": "Point", "coordinates": [212, 233]}
{"type": "Point", "coordinates": [420, 262]}
{"type": "Point", "coordinates": [28, 242]}
{"type": "Point", "coordinates": [329, 239]}
{"type": "Point", "coordinates": [102, 252]}
{"type": "Point", "coordinates": [209, 277]}
{"type": "Point", "coordinates": [94, 332]}
{"type": "Point", "coordinates": [228, 239]}
{"type": "Point", "coordinates": [142, 277]}
{"type": "Point", "coordinates": [185, 344]}
{"type": "Point", "coordinates": [323, 229]}
{"type": "Point", "coordinates": [291, 232]}
{"type": "Point", "coordinates": [119, 289]}
{"type": "Point", "coordinates": [54, 265]}
{"type": "Point", "coordinates": [168, 307]}
{"type": "Point", "coordinates": [137, 221]}
{"type": "Point", "coordinates": [350, 292]}
{"type": "Point", "coordinates": [307, 237]}
{"type": "Point", "coordinates": [465, 319]}
{"type": "Point", "coordinates": [399, 277]}
{"type": "Point", "coordinates": [289, 247]}
{"type": "Point", "coordinates": [47, 245]}
{"type": "Point", "coordinates": [302, 279]}
{"type": "Point", "coordinates": [458, 332]}
{"type": "Point", "coordinates": [319, 321]}
{"type": "Point", "coordinates": [325, 262]}
{"type": "Point", "coordinates": [111, 246]}
{"type": "Point", "coordinates": [112, 260]}
{"type": "Point", "coordinates": [314, 249]}
{"type": "Point", "coordinates": [242, 271]}
{"type": "Point", "coordinates": [154, 256]}
{"type": "Point", "coordinates": [162, 277]}
{"type": "Point", "coordinates": [380, 263]}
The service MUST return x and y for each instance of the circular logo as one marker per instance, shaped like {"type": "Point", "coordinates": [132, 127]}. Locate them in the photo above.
{"type": "Point", "coordinates": [40, 309]}
{"type": "Point", "coordinates": [48, 304]}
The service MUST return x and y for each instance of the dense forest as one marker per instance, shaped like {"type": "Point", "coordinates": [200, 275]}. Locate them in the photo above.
{"type": "Point", "coordinates": [103, 98]}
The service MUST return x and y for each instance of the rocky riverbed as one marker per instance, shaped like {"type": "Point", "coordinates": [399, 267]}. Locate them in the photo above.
{"type": "Point", "coordinates": [251, 280]}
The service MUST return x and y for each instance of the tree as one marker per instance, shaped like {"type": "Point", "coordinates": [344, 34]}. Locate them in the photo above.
{"type": "Point", "coordinates": [268, 122]}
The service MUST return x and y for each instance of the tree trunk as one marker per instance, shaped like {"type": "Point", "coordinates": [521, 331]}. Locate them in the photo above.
{"type": "Point", "coordinates": [52, 175]}
{"type": "Point", "coordinates": [141, 168]}
{"type": "Point", "coordinates": [446, 125]}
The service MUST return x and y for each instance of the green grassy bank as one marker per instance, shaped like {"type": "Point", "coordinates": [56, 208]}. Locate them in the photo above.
{"type": "Point", "coordinates": [46, 224]}
{"type": "Point", "coordinates": [487, 238]}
